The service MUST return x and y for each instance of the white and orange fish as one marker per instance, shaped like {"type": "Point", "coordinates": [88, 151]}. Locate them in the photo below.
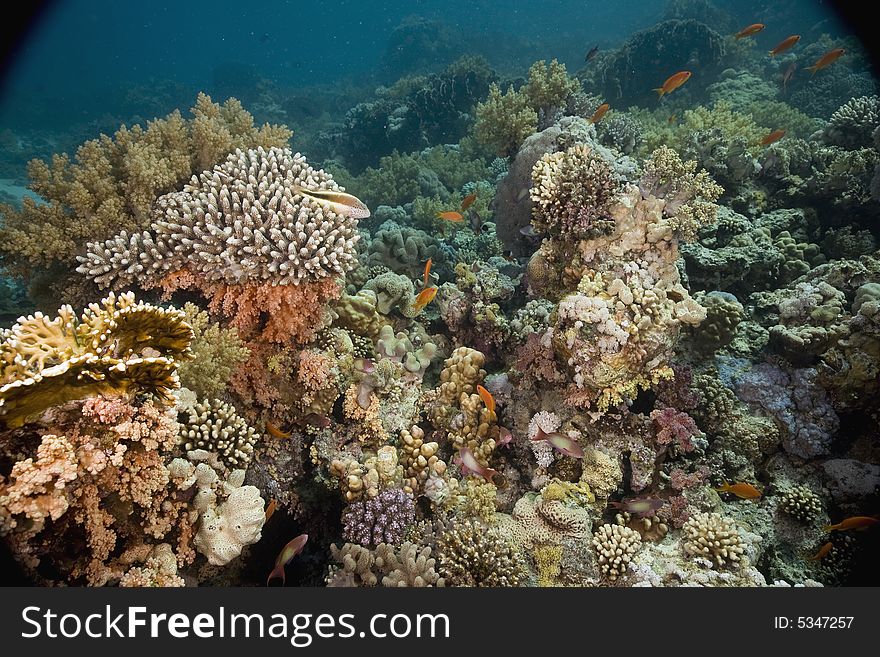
{"type": "Point", "coordinates": [341, 203]}
{"type": "Point", "coordinates": [469, 463]}
{"type": "Point", "coordinates": [561, 443]}
{"type": "Point", "coordinates": [288, 552]}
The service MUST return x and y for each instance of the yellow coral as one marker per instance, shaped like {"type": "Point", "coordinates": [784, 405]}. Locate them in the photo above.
{"type": "Point", "coordinates": [504, 121]}
{"type": "Point", "coordinates": [114, 180]}
{"type": "Point", "coordinates": [115, 347]}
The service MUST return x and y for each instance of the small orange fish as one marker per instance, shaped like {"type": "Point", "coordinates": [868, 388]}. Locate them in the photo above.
{"type": "Point", "coordinates": [425, 297]}
{"type": "Point", "coordinates": [774, 136]}
{"type": "Point", "coordinates": [826, 60]}
{"type": "Point", "coordinates": [673, 82]}
{"type": "Point", "coordinates": [599, 113]}
{"type": "Point", "coordinates": [451, 215]}
{"type": "Point", "coordinates": [467, 201]}
{"type": "Point", "coordinates": [824, 550]}
{"type": "Point", "coordinates": [288, 552]}
{"type": "Point", "coordinates": [754, 28]}
{"type": "Point", "coordinates": [672, 119]}
{"type": "Point", "coordinates": [273, 504]}
{"type": "Point", "coordinates": [855, 522]}
{"type": "Point", "coordinates": [785, 44]}
{"type": "Point", "coordinates": [428, 270]}
{"type": "Point", "coordinates": [740, 489]}
{"type": "Point", "coordinates": [275, 432]}
{"type": "Point", "coordinates": [487, 398]}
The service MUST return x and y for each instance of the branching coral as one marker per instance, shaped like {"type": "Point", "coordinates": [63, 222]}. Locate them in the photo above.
{"type": "Point", "coordinates": [504, 120]}
{"type": "Point", "coordinates": [115, 347]}
{"type": "Point", "coordinates": [470, 554]}
{"type": "Point", "coordinates": [802, 503]}
{"type": "Point", "coordinates": [572, 193]}
{"type": "Point", "coordinates": [689, 195]}
{"type": "Point", "coordinates": [216, 353]}
{"type": "Point", "coordinates": [381, 519]}
{"type": "Point", "coordinates": [408, 565]}
{"type": "Point", "coordinates": [249, 236]}
{"type": "Point", "coordinates": [715, 538]}
{"type": "Point", "coordinates": [114, 180]}
{"type": "Point", "coordinates": [615, 546]}
{"type": "Point", "coordinates": [854, 122]}
{"type": "Point", "coordinates": [549, 86]}
{"type": "Point", "coordinates": [99, 474]}
{"type": "Point", "coordinates": [215, 427]}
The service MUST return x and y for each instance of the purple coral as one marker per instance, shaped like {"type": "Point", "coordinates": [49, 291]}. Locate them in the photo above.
{"type": "Point", "coordinates": [675, 428]}
{"type": "Point", "coordinates": [382, 519]}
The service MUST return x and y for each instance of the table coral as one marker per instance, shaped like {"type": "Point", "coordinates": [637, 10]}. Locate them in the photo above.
{"type": "Point", "coordinates": [116, 346]}
{"type": "Point", "coordinates": [262, 244]}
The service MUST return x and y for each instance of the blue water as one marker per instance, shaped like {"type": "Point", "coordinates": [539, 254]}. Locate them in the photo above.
{"type": "Point", "coordinates": [82, 55]}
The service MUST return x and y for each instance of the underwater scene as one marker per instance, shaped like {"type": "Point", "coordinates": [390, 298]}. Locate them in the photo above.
{"type": "Point", "coordinates": [440, 294]}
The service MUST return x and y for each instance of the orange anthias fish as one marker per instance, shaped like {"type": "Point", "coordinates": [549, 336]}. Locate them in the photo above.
{"type": "Point", "coordinates": [428, 270]}
{"type": "Point", "coordinates": [560, 442]}
{"type": "Point", "coordinates": [425, 297]}
{"type": "Point", "coordinates": [599, 113]}
{"type": "Point", "coordinates": [275, 432]}
{"type": "Point", "coordinates": [672, 119]}
{"type": "Point", "coordinates": [785, 44]}
{"type": "Point", "coordinates": [673, 82]}
{"type": "Point", "coordinates": [826, 60]}
{"type": "Point", "coordinates": [450, 215]}
{"type": "Point", "coordinates": [774, 136]}
{"type": "Point", "coordinates": [273, 504]}
{"type": "Point", "coordinates": [467, 201]}
{"type": "Point", "coordinates": [823, 551]}
{"type": "Point", "coordinates": [487, 398]}
{"type": "Point", "coordinates": [470, 464]}
{"type": "Point", "coordinates": [288, 552]}
{"type": "Point", "coordinates": [855, 522]}
{"type": "Point", "coordinates": [740, 489]}
{"type": "Point", "coordinates": [752, 29]}
{"type": "Point", "coordinates": [341, 203]}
